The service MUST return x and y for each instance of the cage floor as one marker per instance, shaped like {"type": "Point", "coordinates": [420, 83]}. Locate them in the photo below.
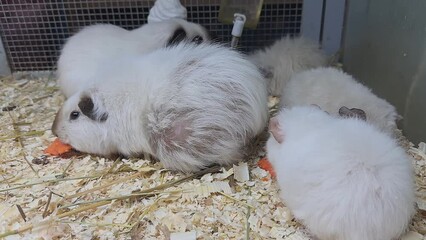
{"type": "Point", "coordinates": [88, 197]}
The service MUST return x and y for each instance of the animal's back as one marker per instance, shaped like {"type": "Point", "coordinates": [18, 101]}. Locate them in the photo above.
{"type": "Point", "coordinates": [214, 104]}
{"type": "Point", "coordinates": [287, 57]}
{"type": "Point", "coordinates": [331, 89]}
{"type": "Point", "coordinates": [84, 54]}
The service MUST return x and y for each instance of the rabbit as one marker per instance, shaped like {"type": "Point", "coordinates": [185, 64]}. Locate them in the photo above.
{"type": "Point", "coordinates": [87, 51]}
{"type": "Point", "coordinates": [188, 105]}
{"type": "Point", "coordinates": [340, 176]}
{"type": "Point", "coordinates": [331, 88]}
{"type": "Point", "coordinates": [286, 57]}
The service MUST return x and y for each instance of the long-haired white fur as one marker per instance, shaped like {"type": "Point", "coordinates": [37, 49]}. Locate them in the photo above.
{"type": "Point", "coordinates": [331, 88]}
{"type": "Point", "coordinates": [286, 57]}
{"type": "Point", "coordinates": [87, 51]}
{"type": "Point", "coordinates": [341, 177]}
{"type": "Point", "coordinates": [190, 106]}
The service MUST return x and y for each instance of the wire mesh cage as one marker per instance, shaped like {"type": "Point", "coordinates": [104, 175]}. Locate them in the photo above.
{"type": "Point", "coordinates": [33, 31]}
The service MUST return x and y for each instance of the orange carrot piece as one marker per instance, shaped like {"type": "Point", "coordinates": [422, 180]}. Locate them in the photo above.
{"type": "Point", "coordinates": [57, 148]}
{"type": "Point", "coordinates": [265, 179]}
{"type": "Point", "coordinates": [267, 166]}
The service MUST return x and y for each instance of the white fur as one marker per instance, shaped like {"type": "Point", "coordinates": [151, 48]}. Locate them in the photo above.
{"type": "Point", "coordinates": [342, 178]}
{"type": "Point", "coordinates": [330, 89]}
{"type": "Point", "coordinates": [190, 106]}
{"type": "Point", "coordinates": [88, 50]}
{"type": "Point", "coordinates": [287, 57]}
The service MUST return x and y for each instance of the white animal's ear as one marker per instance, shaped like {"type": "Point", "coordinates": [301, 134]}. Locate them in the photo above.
{"type": "Point", "coordinates": [91, 107]}
{"type": "Point", "coordinates": [178, 36]}
{"type": "Point", "coordinates": [275, 129]}
{"type": "Point", "coordinates": [352, 113]}
{"type": "Point", "coordinates": [317, 106]}
{"type": "Point", "coordinates": [314, 105]}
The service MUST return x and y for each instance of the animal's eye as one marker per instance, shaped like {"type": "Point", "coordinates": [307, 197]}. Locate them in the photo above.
{"type": "Point", "coordinates": [197, 39]}
{"type": "Point", "coordinates": [74, 115]}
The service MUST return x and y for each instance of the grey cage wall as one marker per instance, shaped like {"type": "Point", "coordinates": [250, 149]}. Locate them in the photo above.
{"type": "Point", "coordinates": [33, 31]}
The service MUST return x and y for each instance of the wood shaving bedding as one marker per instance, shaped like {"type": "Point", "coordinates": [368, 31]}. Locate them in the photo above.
{"type": "Point", "coordinates": [89, 197]}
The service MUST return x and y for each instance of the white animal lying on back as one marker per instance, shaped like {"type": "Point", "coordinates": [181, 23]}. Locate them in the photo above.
{"type": "Point", "coordinates": [341, 177]}
{"type": "Point", "coordinates": [285, 58]}
{"type": "Point", "coordinates": [190, 106]}
{"type": "Point", "coordinates": [90, 49]}
{"type": "Point", "coordinates": [331, 89]}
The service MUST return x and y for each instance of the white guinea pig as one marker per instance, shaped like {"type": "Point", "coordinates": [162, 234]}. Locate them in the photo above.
{"type": "Point", "coordinates": [88, 50]}
{"type": "Point", "coordinates": [286, 57]}
{"type": "Point", "coordinates": [330, 89]}
{"type": "Point", "coordinates": [341, 177]}
{"type": "Point", "coordinates": [190, 106]}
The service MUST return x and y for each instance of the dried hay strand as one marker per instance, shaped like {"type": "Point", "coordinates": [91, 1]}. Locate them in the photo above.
{"type": "Point", "coordinates": [89, 197]}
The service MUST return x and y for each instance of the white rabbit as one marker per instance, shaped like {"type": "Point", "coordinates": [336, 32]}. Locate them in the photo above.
{"type": "Point", "coordinates": [188, 105]}
{"type": "Point", "coordinates": [341, 177]}
{"type": "Point", "coordinates": [286, 57]}
{"type": "Point", "coordinates": [89, 49]}
{"type": "Point", "coordinates": [330, 89]}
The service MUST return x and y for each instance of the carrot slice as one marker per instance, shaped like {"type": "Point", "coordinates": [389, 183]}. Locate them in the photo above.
{"type": "Point", "coordinates": [57, 148]}
{"type": "Point", "coordinates": [265, 179]}
{"type": "Point", "coordinates": [267, 166]}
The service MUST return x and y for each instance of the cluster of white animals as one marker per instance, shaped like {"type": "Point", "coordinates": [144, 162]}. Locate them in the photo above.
{"type": "Point", "coordinates": [167, 90]}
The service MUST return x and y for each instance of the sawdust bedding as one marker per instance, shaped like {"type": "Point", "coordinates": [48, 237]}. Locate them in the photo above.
{"type": "Point", "coordinates": [88, 197]}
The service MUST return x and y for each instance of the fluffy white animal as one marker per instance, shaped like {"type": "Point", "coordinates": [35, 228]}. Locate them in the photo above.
{"type": "Point", "coordinates": [89, 49]}
{"type": "Point", "coordinates": [285, 58]}
{"type": "Point", "coordinates": [341, 177]}
{"type": "Point", "coordinates": [331, 88]}
{"type": "Point", "coordinates": [190, 106]}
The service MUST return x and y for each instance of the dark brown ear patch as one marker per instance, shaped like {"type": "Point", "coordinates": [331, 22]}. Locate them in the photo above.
{"type": "Point", "coordinates": [213, 37]}
{"type": "Point", "coordinates": [178, 36]}
{"type": "Point", "coordinates": [266, 72]}
{"type": "Point", "coordinates": [197, 39]}
{"type": "Point", "coordinates": [352, 113]}
{"type": "Point", "coordinates": [87, 107]}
